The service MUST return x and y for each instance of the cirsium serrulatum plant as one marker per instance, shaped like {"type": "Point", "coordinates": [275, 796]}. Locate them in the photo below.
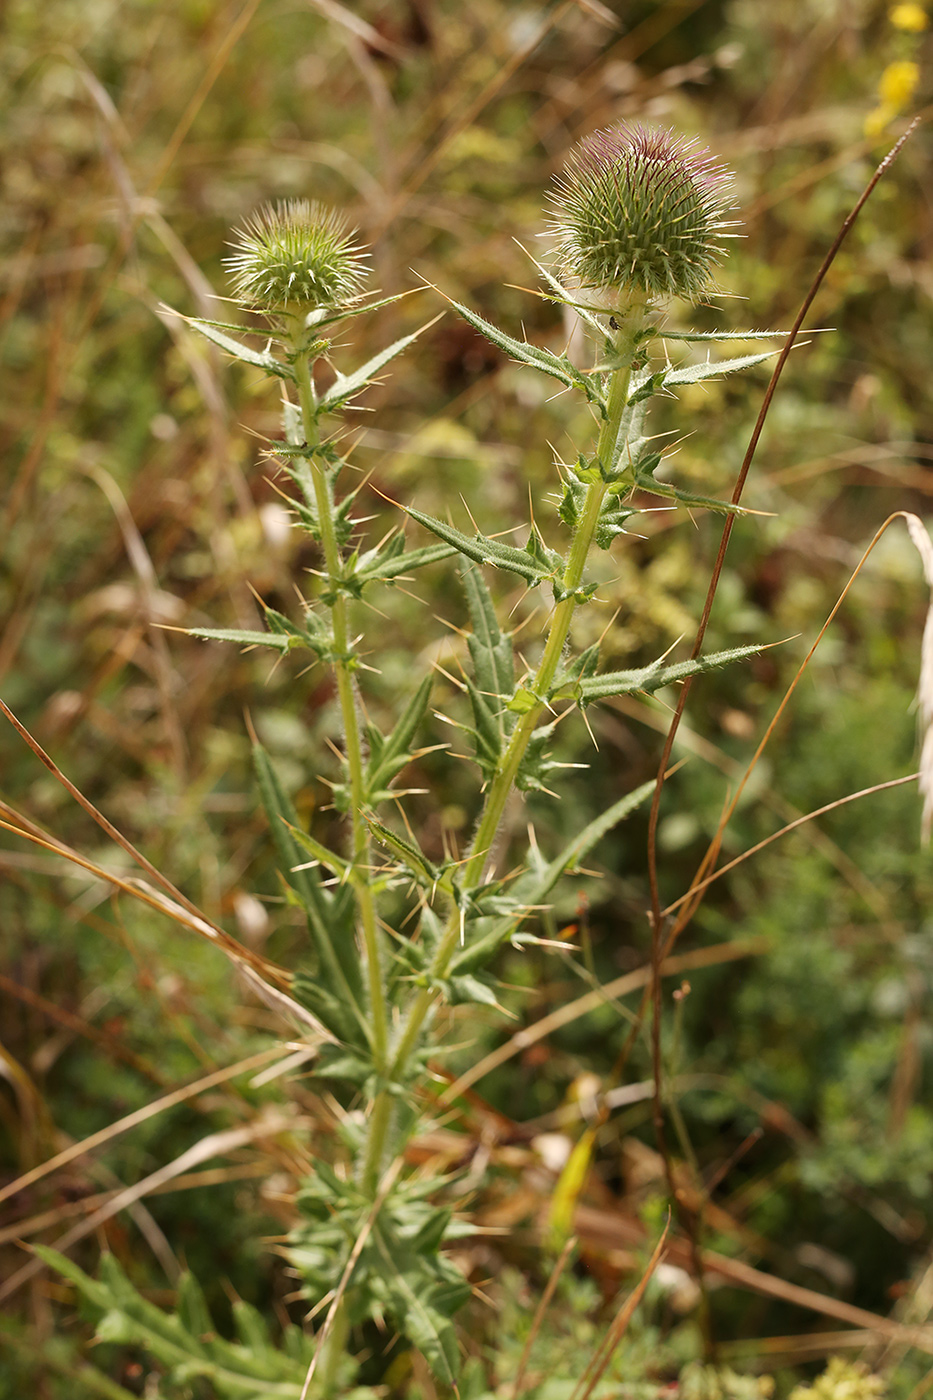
{"type": "Point", "coordinates": [637, 217]}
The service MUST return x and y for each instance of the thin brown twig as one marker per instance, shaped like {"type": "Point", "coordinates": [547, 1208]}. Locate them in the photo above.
{"type": "Point", "coordinates": [657, 941]}
{"type": "Point", "coordinates": [594, 1372]}
{"type": "Point", "coordinates": [791, 826]}
{"type": "Point", "coordinates": [230, 945]}
{"type": "Point", "coordinates": [694, 893]}
{"type": "Point", "coordinates": [543, 1305]}
{"type": "Point", "coordinates": [140, 1115]}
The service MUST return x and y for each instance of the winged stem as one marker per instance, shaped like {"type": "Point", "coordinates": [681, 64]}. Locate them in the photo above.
{"type": "Point", "coordinates": [502, 783]}
{"type": "Point", "coordinates": [344, 664]}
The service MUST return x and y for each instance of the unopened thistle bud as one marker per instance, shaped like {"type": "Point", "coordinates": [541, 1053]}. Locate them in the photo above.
{"type": "Point", "coordinates": [640, 211]}
{"type": "Point", "coordinates": [295, 256]}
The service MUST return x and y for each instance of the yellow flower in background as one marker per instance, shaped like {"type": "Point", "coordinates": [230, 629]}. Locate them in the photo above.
{"type": "Point", "coordinates": [898, 82]}
{"type": "Point", "coordinates": [911, 17]}
{"type": "Point", "coordinates": [878, 120]}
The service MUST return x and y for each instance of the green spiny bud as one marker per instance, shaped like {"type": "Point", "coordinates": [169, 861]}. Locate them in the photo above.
{"type": "Point", "coordinates": [295, 255]}
{"type": "Point", "coordinates": [640, 211]}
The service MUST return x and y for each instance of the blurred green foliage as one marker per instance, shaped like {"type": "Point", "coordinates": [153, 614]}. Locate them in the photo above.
{"type": "Point", "coordinates": [137, 498]}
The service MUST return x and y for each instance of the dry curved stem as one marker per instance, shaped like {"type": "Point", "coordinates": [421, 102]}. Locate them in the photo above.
{"type": "Point", "coordinates": [702, 879]}
{"type": "Point", "coordinates": [140, 1115]}
{"type": "Point", "coordinates": [703, 885]}
{"type": "Point", "coordinates": [214, 1145]}
{"type": "Point", "coordinates": [256, 969]}
{"type": "Point", "coordinates": [619, 1326]}
{"type": "Point", "coordinates": [543, 1305]}
{"type": "Point", "coordinates": [202, 923]}
{"type": "Point", "coordinates": [658, 943]}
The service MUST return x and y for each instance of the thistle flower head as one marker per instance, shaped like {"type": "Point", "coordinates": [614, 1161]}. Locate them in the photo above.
{"type": "Point", "coordinates": [296, 254]}
{"type": "Point", "coordinates": [640, 211]}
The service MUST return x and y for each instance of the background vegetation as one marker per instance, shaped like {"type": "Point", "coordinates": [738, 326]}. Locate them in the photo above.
{"type": "Point", "coordinates": [137, 498]}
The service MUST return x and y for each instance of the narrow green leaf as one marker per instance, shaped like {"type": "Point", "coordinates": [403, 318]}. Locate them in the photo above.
{"type": "Point", "coordinates": [651, 678]}
{"type": "Point", "coordinates": [395, 750]}
{"type": "Point", "coordinates": [694, 374]}
{"type": "Point", "coordinates": [319, 320]}
{"type": "Point", "coordinates": [484, 551]}
{"type": "Point", "coordinates": [347, 386]}
{"type": "Point", "coordinates": [260, 359]}
{"type": "Point", "coordinates": [584, 312]}
{"type": "Point", "coordinates": [580, 846]}
{"type": "Point", "coordinates": [662, 334]}
{"type": "Point", "coordinates": [321, 853]}
{"type": "Point", "coordinates": [332, 933]}
{"type": "Point", "coordinates": [533, 887]}
{"type": "Point", "coordinates": [424, 870]}
{"type": "Point", "coordinates": [646, 481]}
{"type": "Point", "coordinates": [557, 366]}
{"type": "Point", "coordinates": [243, 638]}
{"type": "Point", "coordinates": [386, 570]}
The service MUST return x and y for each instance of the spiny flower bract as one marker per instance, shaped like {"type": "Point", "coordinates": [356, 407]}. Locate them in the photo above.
{"type": "Point", "coordinates": [295, 254]}
{"type": "Point", "coordinates": [641, 211]}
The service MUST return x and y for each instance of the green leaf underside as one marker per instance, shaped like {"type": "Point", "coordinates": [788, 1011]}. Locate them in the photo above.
{"type": "Point", "coordinates": [485, 551]}
{"type": "Point", "coordinates": [246, 639]}
{"type": "Point", "coordinates": [709, 369]}
{"type": "Point", "coordinates": [490, 651]}
{"type": "Point", "coordinates": [259, 359]}
{"type": "Point", "coordinates": [651, 678]}
{"type": "Point", "coordinates": [721, 335]}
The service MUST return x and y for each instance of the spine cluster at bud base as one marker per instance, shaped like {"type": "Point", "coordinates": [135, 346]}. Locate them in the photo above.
{"type": "Point", "coordinates": [640, 211]}
{"type": "Point", "coordinates": [294, 256]}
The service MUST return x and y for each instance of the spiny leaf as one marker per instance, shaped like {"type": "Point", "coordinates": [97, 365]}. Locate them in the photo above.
{"type": "Point", "coordinates": [583, 311]}
{"type": "Point", "coordinates": [260, 359]}
{"type": "Point", "coordinates": [394, 752]}
{"type": "Point", "coordinates": [385, 570]}
{"type": "Point", "coordinates": [662, 334]}
{"type": "Point", "coordinates": [490, 651]}
{"type": "Point", "coordinates": [244, 638]}
{"type": "Point", "coordinates": [557, 366]}
{"type": "Point", "coordinates": [533, 887]}
{"type": "Point", "coordinates": [694, 374]}
{"type": "Point", "coordinates": [412, 1298]}
{"type": "Point", "coordinates": [328, 858]}
{"type": "Point", "coordinates": [425, 871]}
{"type": "Point", "coordinates": [329, 921]}
{"type": "Point", "coordinates": [651, 678]}
{"type": "Point", "coordinates": [234, 1371]}
{"type": "Point", "coordinates": [484, 551]}
{"type": "Point", "coordinates": [319, 319]}
{"type": "Point", "coordinates": [646, 481]}
{"type": "Point", "coordinates": [346, 386]}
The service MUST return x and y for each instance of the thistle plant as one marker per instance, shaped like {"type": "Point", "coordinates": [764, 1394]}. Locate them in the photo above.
{"type": "Point", "coordinates": [638, 216]}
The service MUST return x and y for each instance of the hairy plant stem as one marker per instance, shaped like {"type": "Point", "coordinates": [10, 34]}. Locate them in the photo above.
{"type": "Point", "coordinates": [501, 785]}
{"type": "Point", "coordinates": [346, 692]}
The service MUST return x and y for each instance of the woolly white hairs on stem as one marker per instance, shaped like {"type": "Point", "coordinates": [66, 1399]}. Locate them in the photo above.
{"type": "Point", "coordinates": [921, 538]}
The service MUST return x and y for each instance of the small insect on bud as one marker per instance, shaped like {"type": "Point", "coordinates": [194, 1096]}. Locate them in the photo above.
{"type": "Point", "coordinates": [640, 211]}
{"type": "Point", "coordinates": [295, 256]}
